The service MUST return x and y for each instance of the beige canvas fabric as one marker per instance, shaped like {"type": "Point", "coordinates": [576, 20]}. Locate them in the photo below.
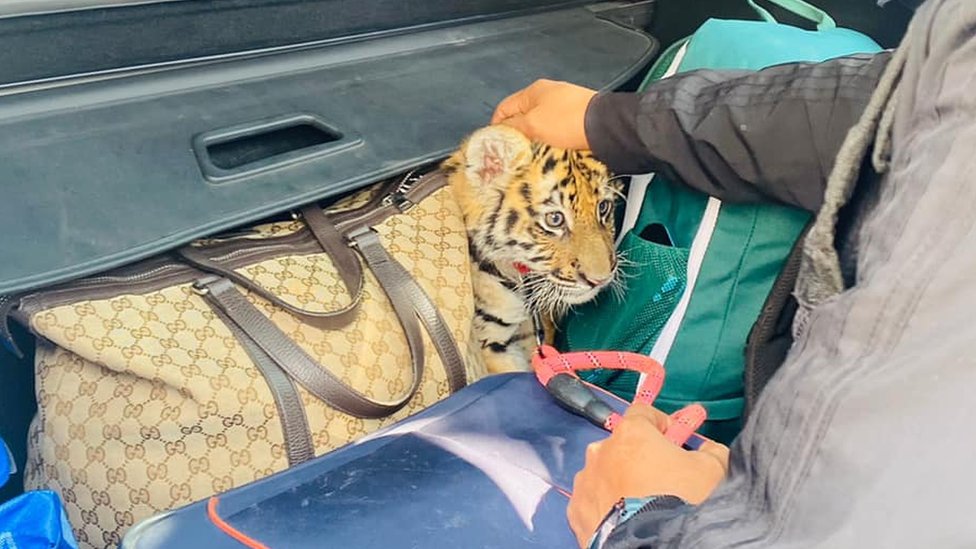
{"type": "Point", "coordinates": [148, 402]}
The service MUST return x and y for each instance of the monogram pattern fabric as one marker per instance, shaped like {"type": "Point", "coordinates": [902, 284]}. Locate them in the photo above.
{"type": "Point", "coordinates": [148, 402]}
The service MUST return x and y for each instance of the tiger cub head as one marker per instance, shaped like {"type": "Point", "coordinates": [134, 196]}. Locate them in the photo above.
{"type": "Point", "coordinates": [541, 216]}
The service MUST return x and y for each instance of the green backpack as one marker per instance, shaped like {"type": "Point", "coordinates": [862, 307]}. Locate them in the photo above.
{"type": "Point", "coordinates": [691, 304]}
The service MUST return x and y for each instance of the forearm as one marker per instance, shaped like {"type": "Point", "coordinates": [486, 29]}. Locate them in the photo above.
{"type": "Point", "coordinates": [742, 136]}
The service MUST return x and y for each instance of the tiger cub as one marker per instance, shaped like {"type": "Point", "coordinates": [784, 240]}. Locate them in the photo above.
{"type": "Point", "coordinates": [541, 231]}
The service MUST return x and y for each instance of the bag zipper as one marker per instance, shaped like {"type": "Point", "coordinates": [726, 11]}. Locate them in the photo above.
{"type": "Point", "coordinates": [399, 196]}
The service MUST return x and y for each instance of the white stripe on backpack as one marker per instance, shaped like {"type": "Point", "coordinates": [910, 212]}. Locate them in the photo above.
{"type": "Point", "coordinates": [635, 200]}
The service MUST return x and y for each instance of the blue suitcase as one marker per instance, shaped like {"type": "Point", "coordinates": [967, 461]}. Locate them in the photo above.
{"type": "Point", "coordinates": [491, 466]}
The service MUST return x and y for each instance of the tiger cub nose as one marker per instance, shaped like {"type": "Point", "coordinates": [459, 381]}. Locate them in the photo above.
{"type": "Point", "coordinates": [595, 281]}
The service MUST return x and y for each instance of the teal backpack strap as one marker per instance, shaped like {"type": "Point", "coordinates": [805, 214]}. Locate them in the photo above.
{"type": "Point", "coordinates": [660, 67]}
{"type": "Point", "coordinates": [797, 7]}
{"type": "Point", "coordinates": [691, 302]}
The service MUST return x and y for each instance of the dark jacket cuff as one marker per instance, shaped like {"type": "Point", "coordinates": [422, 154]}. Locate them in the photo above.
{"type": "Point", "coordinates": [611, 129]}
{"type": "Point", "coordinates": [628, 509]}
{"type": "Point", "coordinates": [644, 530]}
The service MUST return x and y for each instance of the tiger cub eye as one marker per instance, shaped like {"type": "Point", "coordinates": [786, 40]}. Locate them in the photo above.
{"type": "Point", "coordinates": [555, 219]}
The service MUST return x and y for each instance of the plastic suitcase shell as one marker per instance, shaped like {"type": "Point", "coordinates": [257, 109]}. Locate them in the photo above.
{"type": "Point", "coordinates": [491, 466]}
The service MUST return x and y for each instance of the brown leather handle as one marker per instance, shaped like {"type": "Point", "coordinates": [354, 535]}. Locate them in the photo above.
{"type": "Point", "coordinates": [316, 379]}
{"type": "Point", "coordinates": [410, 303]}
{"type": "Point", "coordinates": [399, 285]}
{"type": "Point", "coordinates": [344, 259]}
{"type": "Point", "coordinates": [299, 447]}
{"type": "Point", "coordinates": [333, 243]}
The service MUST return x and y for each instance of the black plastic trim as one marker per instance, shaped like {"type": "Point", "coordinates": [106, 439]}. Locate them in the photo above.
{"type": "Point", "coordinates": [39, 45]}
{"type": "Point", "coordinates": [103, 172]}
{"type": "Point", "coordinates": [205, 143]}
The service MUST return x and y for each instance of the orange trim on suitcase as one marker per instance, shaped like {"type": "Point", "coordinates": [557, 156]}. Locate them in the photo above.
{"type": "Point", "coordinates": [228, 529]}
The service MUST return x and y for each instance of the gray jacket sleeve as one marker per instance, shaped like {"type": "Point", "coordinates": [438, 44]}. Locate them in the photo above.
{"type": "Point", "coordinates": [741, 136]}
{"type": "Point", "coordinates": [864, 437]}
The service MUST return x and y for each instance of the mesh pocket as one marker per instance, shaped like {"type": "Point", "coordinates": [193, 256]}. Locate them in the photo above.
{"type": "Point", "coordinates": [655, 278]}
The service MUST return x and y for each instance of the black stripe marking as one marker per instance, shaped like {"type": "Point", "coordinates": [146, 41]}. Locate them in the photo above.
{"type": "Point", "coordinates": [549, 165]}
{"type": "Point", "coordinates": [525, 191]}
{"type": "Point", "coordinates": [511, 220]}
{"type": "Point", "coordinates": [493, 218]}
{"type": "Point", "coordinates": [508, 284]}
{"type": "Point", "coordinates": [472, 249]}
{"type": "Point", "coordinates": [489, 268]}
{"type": "Point", "coordinates": [543, 229]}
{"type": "Point", "coordinates": [502, 347]}
{"type": "Point", "coordinates": [497, 347]}
{"type": "Point", "coordinates": [555, 274]}
{"type": "Point", "coordinates": [492, 318]}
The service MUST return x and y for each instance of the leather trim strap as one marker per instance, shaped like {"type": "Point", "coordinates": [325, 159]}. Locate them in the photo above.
{"type": "Point", "coordinates": [221, 294]}
{"type": "Point", "coordinates": [344, 259]}
{"type": "Point", "coordinates": [291, 411]}
{"type": "Point", "coordinates": [395, 279]}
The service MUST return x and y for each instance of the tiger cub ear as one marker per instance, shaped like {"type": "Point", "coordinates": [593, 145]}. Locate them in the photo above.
{"type": "Point", "coordinates": [494, 154]}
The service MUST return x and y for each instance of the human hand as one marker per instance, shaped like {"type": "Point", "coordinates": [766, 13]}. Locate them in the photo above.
{"type": "Point", "coordinates": [638, 461]}
{"type": "Point", "coordinates": [548, 111]}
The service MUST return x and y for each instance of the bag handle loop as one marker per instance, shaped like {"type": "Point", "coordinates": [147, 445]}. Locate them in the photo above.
{"type": "Point", "coordinates": [409, 301]}
{"type": "Point", "coordinates": [301, 367]}
{"type": "Point", "coordinates": [332, 242]}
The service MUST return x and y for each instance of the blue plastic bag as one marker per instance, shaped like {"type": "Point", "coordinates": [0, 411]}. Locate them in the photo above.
{"type": "Point", "coordinates": [34, 520]}
{"type": "Point", "coordinates": [7, 466]}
